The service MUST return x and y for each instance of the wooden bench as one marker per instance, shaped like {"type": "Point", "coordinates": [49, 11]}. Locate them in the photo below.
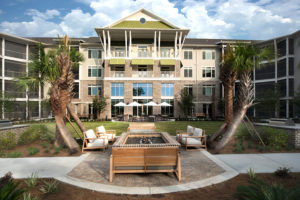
{"type": "Point", "coordinates": [145, 160]}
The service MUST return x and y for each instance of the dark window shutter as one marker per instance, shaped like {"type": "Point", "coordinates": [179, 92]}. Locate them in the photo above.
{"type": "Point", "coordinates": [203, 55]}
{"type": "Point", "coordinates": [89, 53]}
{"type": "Point", "coordinates": [89, 72]}
{"type": "Point", "coordinates": [213, 55]}
{"type": "Point", "coordinates": [89, 90]}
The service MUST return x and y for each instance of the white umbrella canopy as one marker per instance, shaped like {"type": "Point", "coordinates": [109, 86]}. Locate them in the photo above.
{"type": "Point", "coordinates": [165, 104]}
{"type": "Point", "coordinates": [134, 104]}
{"type": "Point", "coordinates": [151, 103]}
{"type": "Point", "coordinates": [120, 104]}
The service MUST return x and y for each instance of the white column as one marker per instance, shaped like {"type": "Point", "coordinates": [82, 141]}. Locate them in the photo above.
{"type": "Point", "coordinates": [3, 71]}
{"type": "Point", "coordinates": [109, 42]}
{"type": "Point", "coordinates": [27, 98]}
{"type": "Point", "coordinates": [180, 45]}
{"type": "Point", "coordinates": [130, 43]}
{"type": "Point", "coordinates": [175, 45]}
{"type": "Point", "coordinates": [126, 44]}
{"type": "Point", "coordinates": [158, 43]}
{"type": "Point", "coordinates": [154, 45]}
{"type": "Point", "coordinates": [104, 42]}
{"type": "Point", "coordinates": [287, 77]}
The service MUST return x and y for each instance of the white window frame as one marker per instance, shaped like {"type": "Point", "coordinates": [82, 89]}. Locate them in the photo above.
{"type": "Point", "coordinates": [97, 49]}
{"type": "Point", "coordinates": [95, 67]}
{"type": "Point", "coordinates": [212, 69]}
{"type": "Point", "coordinates": [188, 57]}
{"type": "Point", "coordinates": [93, 86]}
{"type": "Point", "coordinates": [190, 72]}
{"type": "Point", "coordinates": [212, 52]}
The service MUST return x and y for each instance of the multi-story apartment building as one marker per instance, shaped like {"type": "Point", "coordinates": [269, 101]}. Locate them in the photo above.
{"type": "Point", "coordinates": [144, 58]}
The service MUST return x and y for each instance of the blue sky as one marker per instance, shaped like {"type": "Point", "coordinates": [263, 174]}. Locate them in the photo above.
{"type": "Point", "coordinates": [236, 19]}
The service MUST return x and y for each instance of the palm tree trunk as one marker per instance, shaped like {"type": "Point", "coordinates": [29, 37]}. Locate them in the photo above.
{"type": "Point", "coordinates": [229, 133]}
{"type": "Point", "coordinates": [228, 98]}
{"type": "Point", "coordinates": [76, 118]}
{"type": "Point", "coordinates": [98, 115]}
{"type": "Point", "coordinates": [65, 135]}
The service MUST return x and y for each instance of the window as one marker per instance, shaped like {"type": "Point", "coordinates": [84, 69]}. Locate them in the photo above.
{"type": "Point", "coordinates": [167, 89]}
{"type": "Point", "coordinates": [207, 90]}
{"type": "Point", "coordinates": [168, 110]}
{"type": "Point", "coordinates": [116, 110]}
{"type": "Point", "coordinates": [142, 89]}
{"type": "Point", "coordinates": [188, 54]}
{"type": "Point", "coordinates": [117, 89]}
{"type": "Point", "coordinates": [189, 89]}
{"type": "Point", "coordinates": [15, 50]}
{"type": "Point", "coordinates": [94, 53]}
{"type": "Point", "coordinates": [94, 90]}
{"type": "Point", "coordinates": [94, 71]}
{"type": "Point", "coordinates": [208, 55]}
{"type": "Point", "coordinates": [142, 69]}
{"type": "Point", "coordinates": [208, 72]}
{"type": "Point", "coordinates": [142, 20]}
{"type": "Point", "coordinates": [188, 72]}
{"type": "Point", "coordinates": [76, 91]}
{"type": "Point", "coordinates": [165, 71]}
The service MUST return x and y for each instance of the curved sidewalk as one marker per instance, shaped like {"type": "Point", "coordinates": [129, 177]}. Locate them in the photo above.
{"type": "Point", "coordinates": [233, 164]}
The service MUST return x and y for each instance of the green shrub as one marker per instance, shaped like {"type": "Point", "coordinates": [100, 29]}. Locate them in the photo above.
{"type": "Point", "coordinates": [46, 151]}
{"type": "Point", "coordinates": [273, 137]}
{"type": "Point", "coordinates": [57, 150]}
{"type": "Point", "coordinates": [282, 172]}
{"type": "Point", "coordinates": [50, 186]}
{"type": "Point", "coordinates": [44, 145]}
{"type": "Point", "coordinates": [33, 150]}
{"type": "Point", "coordinates": [259, 190]}
{"type": "Point", "coordinates": [27, 196]}
{"type": "Point", "coordinates": [36, 132]}
{"type": "Point", "coordinates": [32, 180]}
{"type": "Point", "coordinates": [8, 141]}
{"type": "Point", "coordinates": [14, 154]}
{"type": "Point", "coordinates": [9, 190]}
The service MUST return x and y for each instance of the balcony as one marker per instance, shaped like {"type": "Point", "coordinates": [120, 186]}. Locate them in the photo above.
{"type": "Point", "coordinates": [142, 74]}
{"type": "Point", "coordinates": [117, 74]}
{"type": "Point", "coordinates": [167, 74]}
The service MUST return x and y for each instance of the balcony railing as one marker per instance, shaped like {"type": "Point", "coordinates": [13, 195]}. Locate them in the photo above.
{"type": "Point", "coordinates": [143, 53]}
{"type": "Point", "coordinates": [167, 74]}
{"type": "Point", "coordinates": [142, 74]}
{"type": "Point", "coordinates": [117, 74]}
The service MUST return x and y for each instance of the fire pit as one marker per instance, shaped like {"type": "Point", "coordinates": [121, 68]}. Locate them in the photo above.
{"type": "Point", "coordinates": [145, 153]}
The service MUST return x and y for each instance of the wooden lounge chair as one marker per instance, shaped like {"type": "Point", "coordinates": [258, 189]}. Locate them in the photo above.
{"type": "Point", "coordinates": [110, 134]}
{"type": "Point", "coordinates": [198, 139]}
{"type": "Point", "coordinates": [181, 133]}
{"type": "Point", "coordinates": [91, 141]}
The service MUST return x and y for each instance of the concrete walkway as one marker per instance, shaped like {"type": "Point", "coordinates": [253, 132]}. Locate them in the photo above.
{"type": "Point", "coordinates": [261, 163]}
{"type": "Point", "coordinates": [233, 164]}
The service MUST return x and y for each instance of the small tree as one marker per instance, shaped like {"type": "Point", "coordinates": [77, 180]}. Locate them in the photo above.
{"type": "Point", "coordinates": [99, 105]}
{"type": "Point", "coordinates": [6, 103]}
{"type": "Point", "coordinates": [186, 102]}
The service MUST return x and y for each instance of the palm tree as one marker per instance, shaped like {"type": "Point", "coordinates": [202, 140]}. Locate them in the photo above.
{"type": "Point", "coordinates": [55, 68]}
{"type": "Point", "coordinates": [244, 58]}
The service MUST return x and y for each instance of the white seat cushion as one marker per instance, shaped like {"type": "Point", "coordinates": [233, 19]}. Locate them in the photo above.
{"type": "Point", "coordinates": [98, 143]}
{"type": "Point", "coordinates": [101, 130]}
{"type": "Point", "coordinates": [90, 134]}
{"type": "Point", "coordinates": [110, 136]}
{"type": "Point", "coordinates": [198, 132]}
{"type": "Point", "coordinates": [191, 141]}
{"type": "Point", "coordinates": [189, 129]}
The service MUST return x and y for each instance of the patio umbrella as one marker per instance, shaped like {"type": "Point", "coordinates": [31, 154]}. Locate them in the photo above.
{"type": "Point", "coordinates": [164, 104]}
{"type": "Point", "coordinates": [120, 104]}
{"type": "Point", "coordinates": [134, 103]}
{"type": "Point", "coordinates": [151, 103]}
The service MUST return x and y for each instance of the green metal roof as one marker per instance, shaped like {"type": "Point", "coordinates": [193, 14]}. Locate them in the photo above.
{"type": "Point", "coordinates": [142, 62]}
{"type": "Point", "coordinates": [137, 24]}
{"type": "Point", "coordinates": [117, 61]}
{"type": "Point", "coordinates": [167, 62]}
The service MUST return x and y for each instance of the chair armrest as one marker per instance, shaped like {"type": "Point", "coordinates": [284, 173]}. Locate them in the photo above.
{"type": "Point", "coordinates": [103, 135]}
{"type": "Point", "coordinates": [203, 136]}
{"type": "Point", "coordinates": [111, 132]}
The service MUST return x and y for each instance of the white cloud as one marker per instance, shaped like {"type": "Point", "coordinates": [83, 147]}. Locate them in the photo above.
{"type": "Point", "coordinates": [206, 19]}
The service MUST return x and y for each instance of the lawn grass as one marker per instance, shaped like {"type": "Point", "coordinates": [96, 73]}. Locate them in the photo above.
{"type": "Point", "coordinates": [120, 127]}
{"type": "Point", "coordinates": [210, 127]}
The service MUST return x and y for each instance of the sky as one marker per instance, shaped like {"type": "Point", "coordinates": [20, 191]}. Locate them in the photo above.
{"type": "Point", "coordinates": [216, 19]}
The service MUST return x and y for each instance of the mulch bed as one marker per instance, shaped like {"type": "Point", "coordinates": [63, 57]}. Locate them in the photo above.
{"type": "Point", "coordinates": [222, 191]}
